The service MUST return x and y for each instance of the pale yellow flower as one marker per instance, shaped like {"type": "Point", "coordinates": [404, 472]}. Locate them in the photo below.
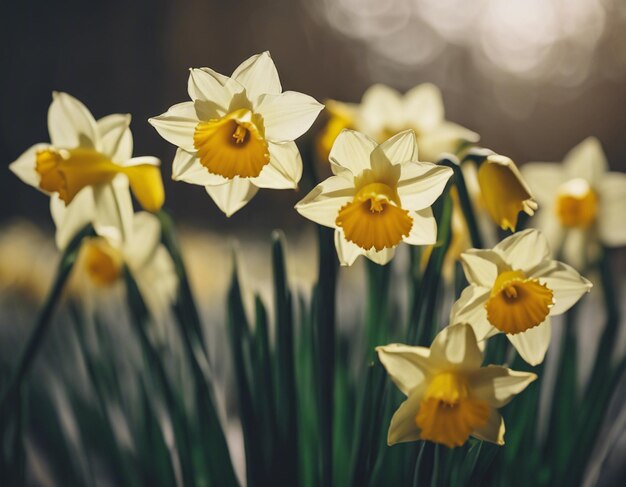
{"type": "Point", "coordinates": [514, 288]}
{"type": "Point", "coordinates": [379, 196]}
{"type": "Point", "coordinates": [450, 397]}
{"type": "Point", "coordinates": [87, 168]}
{"type": "Point", "coordinates": [582, 203]}
{"type": "Point", "coordinates": [237, 134]}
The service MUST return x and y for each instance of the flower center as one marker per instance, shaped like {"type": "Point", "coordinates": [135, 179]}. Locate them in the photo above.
{"type": "Point", "coordinates": [67, 172]}
{"type": "Point", "coordinates": [374, 218]}
{"type": "Point", "coordinates": [576, 204]}
{"type": "Point", "coordinates": [517, 304]}
{"type": "Point", "coordinates": [102, 262]}
{"type": "Point", "coordinates": [448, 414]}
{"type": "Point", "coordinates": [233, 145]}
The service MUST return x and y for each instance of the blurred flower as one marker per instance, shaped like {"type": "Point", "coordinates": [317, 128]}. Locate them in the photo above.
{"type": "Point", "coordinates": [449, 395]}
{"type": "Point", "coordinates": [582, 203]}
{"type": "Point", "coordinates": [514, 288]}
{"type": "Point", "coordinates": [340, 116]}
{"type": "Point", "coordinates": [384, 112]}
{"type": "Point", "coordinates": [504, 191]}
{"type": "Point", "coordinates": [87, 169]}
{"type": "Point", "coordinates": [237, 135]}
{"type": "Point", "coordinates": [99, 270]}
{"type": "Point", "coordinates": [378, 197]}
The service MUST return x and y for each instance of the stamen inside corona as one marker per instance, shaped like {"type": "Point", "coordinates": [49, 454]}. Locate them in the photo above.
{"type": "Point", "coordinates": [517, 304]}
{"type": "Point", "coordinates": [374, 218]}
{"type": "Point", "coordinates": [233, 145]}
{"type": "Point", "coordinates": [576, 204]}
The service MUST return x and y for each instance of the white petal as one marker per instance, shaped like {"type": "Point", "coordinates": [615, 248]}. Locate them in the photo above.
{"type": "Point", "coordinates": [186, 167]}
{"type": "Point", "coordinates": [403, 427]}
{"type": "Point", "coordinates": [543, 178]}
{"type": "Point", "coordinates": [233, 195]}
{"type": "Point", "coordinates": [113, 206]}
{"type": "Point", "coordinates": [351, 151]}
{"type": "Point", "coordinates": [612, 191]}
{"type": "Point", "coordinates": [209, 86]}
{"type": "Point", "coordinates": [71, 219]}
{"type": "Point", "coordinates": [381, 257]}
{"type": "Point", "coordinates": [567, 285]}
{"type": "Point", "coordinates": [322, 204]}
{"type": "Point", "coordinates": [347, 252]}
{"type": "Point", "coordinates": [533, 344]}
{"type": "Point", "coordinates": [470, 309]}
{"type": "Point", "coordinates": [407, 366]}
{"type": "Point", "coordinates": [524, 250]}
{"type": "Point", "coordinates": [587, 161]}
{"type": "Point", "coordinates": [116, 139]}
{"type": "Point", "coordinates": [498, 385]}
{"type": "Point", "coordinates": [70, 123]}
{"type": "Point", "coordinates": [576, 244]}
{"type": "Point", "coordinates": [421, 183]}
{"type": "Point", "coordinates": [259, 76]}
{"type": "Point", "coordinates": [480, 266]}
{"type": "Point", "coordinates": [144, 239]}
{"type": "Point", "coordinates": [400, 148]}
{"type": "Point", "coordinates": [284, 169]}
{"type": "Point", "coordinates": [287, 116]}
{"type": "Point", "coordinates": [423, 106]}
{"type": "Point", "coordinates": [445, 138]}
{"type": "Point", "coordinates": [456, 346]}
{"type": "Point", "coordinates": [24, 166]}
{"type": "Point", "coordinates": [157, 282]}
{"type": "Point", "coordinates": [141, 161]}
{"type": "Point", "coordinates": [493, 431]}
{"type": "Point", "coordinates": [424, 229]}
{"type": "Point", "coordinates": [178, 125]}
{"type": "Point", "coordinates": [381, 108]}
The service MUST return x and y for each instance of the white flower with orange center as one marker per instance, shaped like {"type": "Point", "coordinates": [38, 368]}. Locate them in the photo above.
{"type": "Point", "coordinates": [514, 288]}
{"type": "Point", "coordinates": [237, 134]}
{"type": "Point", "coordinates": [87, 168]}
{"type": "Point", "coordinates": [450, 397]}
{"type": "Point", "coordinates": [582, 203]}
{"type": "Point", "coordinates": [379, 196]}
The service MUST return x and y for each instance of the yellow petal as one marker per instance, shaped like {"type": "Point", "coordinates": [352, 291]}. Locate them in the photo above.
{"type": "Point", "coordinates": [147, 185]}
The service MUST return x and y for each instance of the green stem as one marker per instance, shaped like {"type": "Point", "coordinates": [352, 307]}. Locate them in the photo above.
{"type": "Point", "coordinates": [377, 327]}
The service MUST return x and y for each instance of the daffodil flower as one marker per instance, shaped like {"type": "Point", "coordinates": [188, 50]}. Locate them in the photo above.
{"type": "Point", "coordinates": [504, 192]}
{"type": "Point", "coordinates": [237, 134]}
{"type": "Point", "coordinates": [87, 167]}
{"type": "Point", "coordinates": [514, 288]}
{"type": "Point", "coordinates": [378, 197]}
{"type": "Point", "coordinates": [582, 203]}
{"type": "Point", "coordinates": [384, 112]}
{"type": "Point", "coordinates": [99, 268]}
{"type": "Point", "coordinates": [450, 397]}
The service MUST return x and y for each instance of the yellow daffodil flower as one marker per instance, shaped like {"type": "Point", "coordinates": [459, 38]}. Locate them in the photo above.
{"type": "Point", "coordinates": [504, 191]}
{"type": "Point", "coordinates": [514, 288]}
{"type": "Point", "coordinates": [237, 134]}
{"type": "Point", "coordinates": [87, 168]}
{"type": "Point", "coordinates": [379, 196]}
{"type": "Point", "coordinates": [582, 203]}
{"type": "Point", "coordinates": [384, 112]}
{"type": "Point", "coordinates": [450, 397]}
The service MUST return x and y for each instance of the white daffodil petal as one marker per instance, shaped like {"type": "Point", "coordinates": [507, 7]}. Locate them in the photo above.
{"type": "Point", "coordinates": [543, 178]}
{"type": "Point", "coordinates": [381, 108]}
{"type": "Point", "coordinates": [576, 246]}
{"type": "Point", "coordinates": [178, 125]}
{"type": "Point", "coordinates": [113, 206]}
{"type": "Point", "coordinates": [258, 75]}
{"type": "Point", "coordinates": [421, 183]}
{"type": "Point", "coordinates": [400, 148]}
{"type": "Point", "coordinates": [498, 385]}
{"type": "Point", "coordinates": [145, 238]}
{"type": "Point", "coordinates": [186, 167]}
{"type": "Point", "coordinates": [524, 250]}
{"type": "Point", "coordinates": [70, 123]}
{"type": "Point", "coordinates": [493, 431]}
{"type": "Point", "coordinates": [24, 166]}
{"type": "Point", "coordinates": [347, 252]}
{"type": "Point", "coordinates": [210, 86]}
{"type": "Point", "coordinates": [612, 189]}
{"type": "Point", "coordinates": [424, 229]}
{"type": "Point", "coordinates": [403, 427]}
{"type": "Point", "coordinates": [567, 285]}
{"type": "Point", "coordinates": [407, 366]}
{"type": "Point", "coordinates": [351, 151]}
{"type": "Point", "coordinates": [456, 346]}
{"type": "Point", "coordinates": [586, 161]}
{"type": "Point", "coordinates": [284, 170]}
{"type": "Point", "coordinates": [381, 257]}
{"type": "Point", "coordinates": [232, 196]}
{"type": "Point", "coordinates": [470, 308]}
{"type": "Point", "coordinates": [157, 282]}
{"type": "Point", "coordinates": [423, 106]}
{"type": "Point", "coordinates": [116, 139]}
{"type": "Point", "coordinates": [480, 266]}
{"type": "Point", "coordinates": [445, 138]}
{"type": "Point", "coordinates": [287, 116]}
{"type": "Point", "coordinates": [533, 344]}
{"type": "Point", "coordinates": [323, 203]}
{"type": "Point", "coordinates": [71, 219]}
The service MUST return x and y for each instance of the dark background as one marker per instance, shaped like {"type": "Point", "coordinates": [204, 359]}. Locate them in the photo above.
{"type": "Point", "coordinates": [133, 56]}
